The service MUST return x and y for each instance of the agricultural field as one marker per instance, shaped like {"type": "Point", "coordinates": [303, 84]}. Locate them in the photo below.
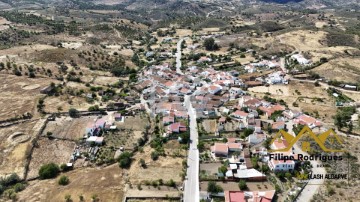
{"type": "Point", "coordinates": [50, 151]}
{"type": "Point", "coordinates": [170, 166]}
{"type": "Point", "coordinates": [68, 128]}
{"type": "Point", "coordinates": [15, 146]}
{"type": "Point", "coordinates": [20, 95]}
{"type": "Point", "coordinates": [106, 184]}
{"type": "Point", "coordinates": [341, 69]}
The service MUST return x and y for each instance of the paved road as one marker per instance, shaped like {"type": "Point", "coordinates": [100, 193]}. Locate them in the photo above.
{"type": "Point", "coordinates": [178, 57]}
{"type": "Point", "coordinates": [314, 184]}
{"type": "Point", "coordinates": [191, 189]}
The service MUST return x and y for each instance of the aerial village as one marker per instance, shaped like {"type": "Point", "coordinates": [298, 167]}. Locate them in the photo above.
{"type": "Point", "coordinates": [234, 128]}
{"type": "Point", "coordinates": [201, 101]}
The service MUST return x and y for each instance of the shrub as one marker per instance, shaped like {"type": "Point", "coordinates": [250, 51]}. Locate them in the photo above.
{"type": "Point", "coordinates": [125, 160]}
{"type": "Point", "coordinates": [73, 113]}
{"type": "Point", "coordinates": [64, 180]}
{"type": "Point", "coordinates": [48, 171]}
{"type": "Point", "coordinates": [142, 163]}
{"type": "Point", "coordinates": [210, 44]}
{"type": "Point", "coordinates": [68, 198]}
{"type": "Point", "coordinates": [154, 155]}
{"type": "Point", "coordinates": [19, 187]}
{"type": "Point", "coordinates": [171, 183]}
{"type": "Point", "coordinates": [242, 185]}
{"type": "Point", "coordinates": [214, 188]}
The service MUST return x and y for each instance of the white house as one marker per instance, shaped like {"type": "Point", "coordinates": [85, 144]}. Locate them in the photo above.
{"type": "Point", "coordinates": [256, 138]}
{"type": "Point", "coordinates": [300, 59]}
{"type": "Point", "coordinates": [240, 114]}
{"type": "Point", "coordinates": [281, 165]}
{"type": "Point", "coordinates": [234, 92]}
{"type": "Point", "coordinates": [214, 89]}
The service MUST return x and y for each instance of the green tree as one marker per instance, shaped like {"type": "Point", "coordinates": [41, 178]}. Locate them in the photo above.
{"type": "Point", "coordinates": [48, 171]}
{"type": "Point", "coordinates": [201, 146]}
{"type": "Point", "coordinates": [222, 169]}
{"type": "Point", "coordinates": [210, 44]}
{"type": "Point", "coordinates": [248, 131]}
{"type": "Point", "coordinates": [73, 113]}
{"type": "Point", "coordinates": [125, 160]}
{"type": "Point", "coordinates": [242, 185]}
{"type": "Point", "coordinates": [214, 188]}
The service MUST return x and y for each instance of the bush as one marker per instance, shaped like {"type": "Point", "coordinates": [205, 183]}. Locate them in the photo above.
{"type": "Point", "coordinates": [210, 44]}
{"type": "Point", "coordinates": [154, 155]}
{"type": "Point", "coordinates": [48, 171]}
{"type": "Point", "coordinates": [64, 180]}
{"type": "Point", "coordinates": [19, 187]}
{"type": "Point", "coordinates": [242, 185]}
{"type": "Point", "coordinates": [171, 183]}
{"type": "Point", "coordinates": [142, 163]}
{"type": "Point", "coordinates": [73, 113]}
{"type": "Point", "coordinates": [214, 188]}
{"type": "Point", "coordinates": [125, 160]}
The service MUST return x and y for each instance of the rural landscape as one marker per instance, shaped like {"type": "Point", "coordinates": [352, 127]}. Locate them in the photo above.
{"type": "Point", "coordinates": [179, 100]}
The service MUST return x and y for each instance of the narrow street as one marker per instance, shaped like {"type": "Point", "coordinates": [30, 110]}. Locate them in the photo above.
{"type": "Point", "coordinates": [178, 57]}
{"type": "Point", "coordinates": [191, 189]}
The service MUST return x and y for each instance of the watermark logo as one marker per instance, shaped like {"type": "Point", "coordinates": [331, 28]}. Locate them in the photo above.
{"type": "Point", "coordinates": [329, 135]}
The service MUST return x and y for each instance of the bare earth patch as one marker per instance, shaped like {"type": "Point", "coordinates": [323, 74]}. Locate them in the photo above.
{"type": "Point", "coordinates": [106, 183]}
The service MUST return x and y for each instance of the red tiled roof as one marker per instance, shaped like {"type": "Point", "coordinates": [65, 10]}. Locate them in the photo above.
{"type": "Point", "coordinates": [234, 145]}
{"type": "Point", "coordinates": [234, 196]}
{"type": "Point", "coordinates": [231, 140]}
{"type": "Point", "coordinates": [240, 113]}
{"type": "Point", "coordinates": [276, 125]}
{"type": "Point", "coordinates": [280, 144]}
{"type": "Point", "coordinates": [220, 148]}
{"type": "Point", "coordinates": [222, 119]}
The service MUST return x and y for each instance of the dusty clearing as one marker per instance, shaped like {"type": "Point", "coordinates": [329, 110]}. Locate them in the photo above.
{"type": "Point", "coordinates": [303, 40]}
{"type": "Point", "coordinates": [53, 103]}
{"type": "Point", "coordinates": [68, 128]}
{"type": "Point", "coordinates": [210, 126]}
{"type": "Point", "coordinates": [57, 151]}
{"type": "Point", "coordinates": [14, 146]}
{"type": "Point", "coordinates": [106, 183]}
{"type": "Point", "coordinates": [341, 69]}
{"type": "Point", "coordinates": [303, 94]}
{"type": "Point", "coordinates": [165, 168]}
{"type": "Point", "coordinates": [104, 81]}
{"type": "Point", "coordinates": [19, 94]}
{"type": "Point", "coordinates": [136, 123]}
{"type": "Point", "coordinates": [183, 32]}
